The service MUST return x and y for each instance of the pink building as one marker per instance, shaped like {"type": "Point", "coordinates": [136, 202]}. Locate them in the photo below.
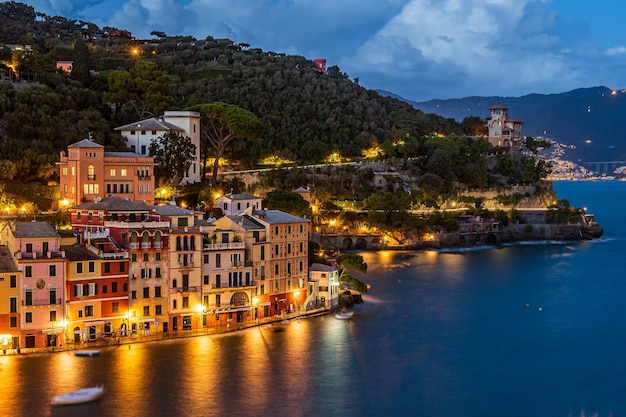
{"type": "Point", "coordinates": [36, 247]}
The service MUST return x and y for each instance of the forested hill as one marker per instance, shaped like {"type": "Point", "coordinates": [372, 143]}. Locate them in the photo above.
{"type": "Point", "coordinates": [590, 119]}
{"type": "Point", "coordinates": [116, 80]}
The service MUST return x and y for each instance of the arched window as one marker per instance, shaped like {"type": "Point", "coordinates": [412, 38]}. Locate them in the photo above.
{"type": "Point", "coordinates": [91, 173]}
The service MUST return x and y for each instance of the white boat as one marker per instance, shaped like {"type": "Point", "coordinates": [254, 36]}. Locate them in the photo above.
{"type": "Point", "coordinates": [344, 314]}
{"type": "Point", "coordinates": [87, 352]}
{"type": "Point", "coordinates": [81, 396]}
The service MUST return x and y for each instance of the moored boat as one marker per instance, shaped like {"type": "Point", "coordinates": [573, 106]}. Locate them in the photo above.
{"type": "Point", "coordinates": [87, 352]}
{"type": "Point", "coordinates": [344, 314]}
{"type": "Point", "coordinates": [81, 396]}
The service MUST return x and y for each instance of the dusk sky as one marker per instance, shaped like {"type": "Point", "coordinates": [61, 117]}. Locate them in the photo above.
{"type": "Point", "coordinates": [418, 49]}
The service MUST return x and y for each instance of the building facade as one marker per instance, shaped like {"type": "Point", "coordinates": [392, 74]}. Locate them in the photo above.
{"type": "Point", "coordinates": [504, 131]}
{"type": "Point", "coordinates": [87, 173]}
{"type": "Point", "coordinates": [139, 136]}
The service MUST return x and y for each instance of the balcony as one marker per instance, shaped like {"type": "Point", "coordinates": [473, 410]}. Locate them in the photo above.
{"type": "Point", "coordinates": [91, 177]}
{"type": "Point", "coordinates": [252, 284]}
{"type": "Point", "coordinates": [137, 225]}
{"type": "Point", "coordinates": [188, 289]}
{"type": "Point", "coordinates": [41, 255]}
{"type": "Point", "coordinates": [45, 302]}
{"type": "Point", "coordinates": [224, 246]}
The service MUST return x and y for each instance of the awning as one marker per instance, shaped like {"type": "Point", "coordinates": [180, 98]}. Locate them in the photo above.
{"type": "Point", "coordinates": [94, 323]}
{"type": "Point", "coordinates": [234, 310]}
{"type": "Point", "coordinates": [52, 331]}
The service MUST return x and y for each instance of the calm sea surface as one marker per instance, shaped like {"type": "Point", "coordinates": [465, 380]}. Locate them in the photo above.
{"type": "Point", "coordinates": [526, 330]}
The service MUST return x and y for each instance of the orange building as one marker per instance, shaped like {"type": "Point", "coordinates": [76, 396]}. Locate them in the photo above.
{"type": "Point", "coordinates": [88, 172]}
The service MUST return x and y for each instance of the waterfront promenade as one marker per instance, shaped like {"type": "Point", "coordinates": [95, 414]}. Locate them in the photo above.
{"type": "Point", "coordinates": [140, 337]}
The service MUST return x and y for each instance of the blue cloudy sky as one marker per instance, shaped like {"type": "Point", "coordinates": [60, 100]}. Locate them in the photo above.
{"type": "Point", "coordinates": [419, 49]}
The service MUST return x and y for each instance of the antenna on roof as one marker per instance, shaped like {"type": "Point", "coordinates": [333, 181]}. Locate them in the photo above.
{"type": "Point", "coordinates": [90, 136]}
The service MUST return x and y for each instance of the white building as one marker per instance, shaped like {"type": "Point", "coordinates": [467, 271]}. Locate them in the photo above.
{"type": "Point", "coordinates": [234, 204]}
{"type": "Point", "coordinates": [139, 136]}
{"type": "Point", "coordinates": [327, 279]}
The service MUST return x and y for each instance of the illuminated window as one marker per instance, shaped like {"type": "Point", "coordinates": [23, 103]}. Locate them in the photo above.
{"type": "Point", "coordinates": [124, 172]}
{"type": "Point", "coordinates": [112, 172]}
{"type": "Point", "coordinates": [73, 171]}
{"type": "Point", "coordinates": [64, 170]}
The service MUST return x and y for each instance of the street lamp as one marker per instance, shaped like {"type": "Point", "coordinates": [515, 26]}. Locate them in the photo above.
{"type": "Point", "coordinates": [200, 310]}
{"type": "Point", "coordinates": [255, 303]}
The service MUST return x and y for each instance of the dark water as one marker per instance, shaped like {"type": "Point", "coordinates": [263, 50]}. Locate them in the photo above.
{"type": "Point", "coordinates": [527, 330]}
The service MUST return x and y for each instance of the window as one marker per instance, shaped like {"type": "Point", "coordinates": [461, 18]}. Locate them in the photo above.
{"type": "Point", "coordinates": [262, 289]}
{"type": "Point", "coordinates": [88, 311]}
{"type": "Point", "coordinates": [275, 249]}
{"type": "Point", "coordinates": [13, 281]}
{"type": "Point", "coordinates": [107, 267]}
{"type": "Point", "coordinates": [29, 317]}
{"type": "Point", "coordinates": [133, 257]}
{"type": "Point", "coordinates": [28, 298]}
{"type": "Point", "coordinates": [114, 287]}
{"type": "Point", "coordinates": [64, 170]}
{"type": "Point", "coordinates": [92, 267]}
{"type": "Point", "coordinates": [218, 281]}
{"type": "Point", "coordinates": [53, 315]}
{"type": "Point", "coordinates": [105, 289]}
{"type": "Point", "coordinates": [146, 292]}
{"type": "Point", "coordinates": [206, 280]}
{"type": "Point", "coordinates": [115, 307]}
{"type": "Point", "coordinates": [28, 271]}
{"type": "Point", "coordinates": [79, 268]}
{"type": "Point", "coordinates": [185, 302]}
{"type": "Point", "coordinates": [174, 304]}
{"type": "Point", "coordinates": [124, 172]}
{"type": "Point", "coordinates": [13, 302]}
{"type": "Point", "coordinates": [133, 295]}
{"type": "Point", "coordinates": [146, 311]}
{"type": "Point", "coordinates": [218, 260]}
{"type": "Point", "coordinates": [288, 248]}
{"type": "Point", "coordinates": [52, 270]}
{"type": "Point", "coordinates": [112, 172]}
{"type": "Point", "coordinates": [157, 310]}
{"type": "Point", "coordinates": [14, 322]}
{"type": "Point", "coordinates": [157, 292]}
{"type": "Point", "coordinates": [206, 259]}
{"type": "Point", "coordinates": [145, 257]}
{"type": "Point", "coordinates": [262, 253]}
{"type": "Point", "coordinates": [143, 147]}
{"type": "Point", "coordinates": [157, 256]}
{"type": "Point", "coordinates": [125, 287]}
{"type": "Point", "coordinates": [157, 272]}
{"type": "Point", "coordinates": [276, 270]}
{"type": "Point", "coordinates": [276, 230]}
{"type": "Point", "coordinates": [218, 300]}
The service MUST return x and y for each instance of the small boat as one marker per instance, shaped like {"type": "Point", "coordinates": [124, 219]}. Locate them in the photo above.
{"type": "Point", "coordinates": [344, 314]}
{"type": "Point", "coordinates": [87, 352]}
{"type": "Point", "coordinates": [81, 396]}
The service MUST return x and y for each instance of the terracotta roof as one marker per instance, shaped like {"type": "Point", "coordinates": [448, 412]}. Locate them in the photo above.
{"type": "Point", "coordinates": [78, 253]}
{"type": "Point", "coordinates": [154, 123]}
{"type": "Point", "coordinates": [33, 229]}
{"type": "Point", "coordinates": [7, 263]}
{"type": "Point", "coordinates": [85, 143]}
{"type": "Point", "coordinates": [115, 203]}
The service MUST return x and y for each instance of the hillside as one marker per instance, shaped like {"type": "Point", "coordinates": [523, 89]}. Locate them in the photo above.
{"type": "Point", "coordinates": [588, 118]}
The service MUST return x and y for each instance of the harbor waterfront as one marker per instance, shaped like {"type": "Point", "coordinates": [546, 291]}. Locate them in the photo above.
{"type": "Point", "coordinates": [523, 330]}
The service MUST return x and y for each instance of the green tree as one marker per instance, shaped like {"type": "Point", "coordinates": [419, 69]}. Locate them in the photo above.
{"type": "Point", "coordinates": [173, 153]}
{"type": "Point", "coordinates": [145, 88]}
{"type": "Point", "coordinates": [81, 66]}
{"type": "Point", "coordinates": [287, 201]}
{"type": "Point", "coordinates": [220, 124]}
{"type": "Point", "coordinates": [350, 261]}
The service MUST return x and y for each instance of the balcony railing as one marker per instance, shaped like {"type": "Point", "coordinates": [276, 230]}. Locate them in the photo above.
{"type": "Point", "coordinates": [45, 302]}
{"type": "Point", "coordinates": [91, 177]}
{"type": "Point", "coordinates": [226, 287]}
{"type": "Point", "coordinates": [224, 246]}
{"type": "Point", "coordinates": [188, 289]}
{"type": "Point", "coordinates": [137, 225]}
{"type": "Point", "coordinates": [41, 255]}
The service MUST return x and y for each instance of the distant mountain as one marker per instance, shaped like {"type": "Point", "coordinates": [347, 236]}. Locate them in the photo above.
{"type": "Point", "coordinates": [590, 119]}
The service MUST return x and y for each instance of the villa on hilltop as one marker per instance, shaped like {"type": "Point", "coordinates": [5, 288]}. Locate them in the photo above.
{"type": "Point", "coordinates": [504, 131]}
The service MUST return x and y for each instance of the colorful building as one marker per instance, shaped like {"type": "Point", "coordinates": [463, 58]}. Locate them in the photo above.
{"type": "Point", "coordinates": [10, 301]}
{"type": "Point", "coordinates": [276, 246]}
{"type": "Point", "coordinates": [87, 173]}
{"type": "Point", "coordinates": [36, 248]}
